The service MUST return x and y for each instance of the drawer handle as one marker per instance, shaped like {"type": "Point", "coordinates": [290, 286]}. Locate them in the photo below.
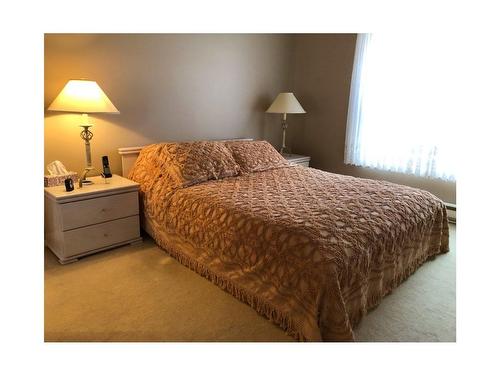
{"type": "Point", "coordinates": [103, 210]}
{"type": "Point", "coordinates": [105, 235]}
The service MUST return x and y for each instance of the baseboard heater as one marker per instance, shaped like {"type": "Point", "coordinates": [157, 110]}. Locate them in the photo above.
{"type": "Point", "coordinates": [452, 212]}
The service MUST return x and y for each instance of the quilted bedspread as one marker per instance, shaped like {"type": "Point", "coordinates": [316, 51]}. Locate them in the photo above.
{"type": "Point", "coordinates": [310, 250]}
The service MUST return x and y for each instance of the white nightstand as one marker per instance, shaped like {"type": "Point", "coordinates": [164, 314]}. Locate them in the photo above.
{"type": "Point", "coordinates": [94, 218]}
{"type": "Point", "coordinates": [297, 159]}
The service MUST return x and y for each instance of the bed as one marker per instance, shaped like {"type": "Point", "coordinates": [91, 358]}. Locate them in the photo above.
{"type": "Point", "coordinates": [310, 250]}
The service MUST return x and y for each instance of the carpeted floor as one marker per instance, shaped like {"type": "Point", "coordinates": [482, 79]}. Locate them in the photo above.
{"type": "Point", "coordinates": [139, 293]}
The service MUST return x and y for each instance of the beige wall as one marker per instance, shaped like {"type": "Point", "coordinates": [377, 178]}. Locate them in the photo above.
{"type": "Point", "coordinates": [186, 87]}
{"type": "Point", "coordinates": [167, 87]}
{"type": "Point", "coordinates": [321, 80]}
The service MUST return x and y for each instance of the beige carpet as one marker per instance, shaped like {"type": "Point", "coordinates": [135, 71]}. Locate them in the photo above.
{"type": "Point", "coordinates": [141, 294]}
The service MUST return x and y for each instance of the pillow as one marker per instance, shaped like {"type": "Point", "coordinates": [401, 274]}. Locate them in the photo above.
{"type": "Point", "coordinates": [256, 156]}
{"type": "Point", "coordinates": [154, 183]}
{"type": "Point", "coordinates": [146, 168]}
{"type": "Point", "coordinates": [190, 163]}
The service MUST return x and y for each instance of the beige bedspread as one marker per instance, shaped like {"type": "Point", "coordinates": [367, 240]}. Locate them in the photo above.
{"type": "Point", "coordinates": [310, 250]}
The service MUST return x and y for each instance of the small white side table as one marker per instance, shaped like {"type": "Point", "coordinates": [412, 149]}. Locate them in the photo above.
{"type": "Point", "coordinates": [93, 218]}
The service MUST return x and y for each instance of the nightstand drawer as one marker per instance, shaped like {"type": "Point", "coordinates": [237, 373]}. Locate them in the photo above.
{"type": "Point", "coordinates": [97, 210]}
{"type": "Point", "coordinates": [78, 241]}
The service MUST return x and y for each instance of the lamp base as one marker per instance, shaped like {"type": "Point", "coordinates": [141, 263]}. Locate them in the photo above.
{"type": "Point", "coordinates": [284, 125]}
{"type": "Point", "coordinates": [284, 151]}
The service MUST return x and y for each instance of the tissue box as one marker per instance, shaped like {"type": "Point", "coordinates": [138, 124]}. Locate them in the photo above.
{"type": "Point", "coordinates": [55, 180]}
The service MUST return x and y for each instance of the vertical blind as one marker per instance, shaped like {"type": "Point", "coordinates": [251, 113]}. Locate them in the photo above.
{"type": "Point", "coordinates": [395, 122]}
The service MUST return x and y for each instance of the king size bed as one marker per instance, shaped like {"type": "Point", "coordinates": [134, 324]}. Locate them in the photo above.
{"type": "Point", "coordinates": [310, 250]}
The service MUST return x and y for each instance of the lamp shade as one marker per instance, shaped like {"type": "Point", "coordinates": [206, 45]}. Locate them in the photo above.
{"type": "Point", "coordinates": [286, 102]}
{"type": "Point", "coordinates": [82, 96]}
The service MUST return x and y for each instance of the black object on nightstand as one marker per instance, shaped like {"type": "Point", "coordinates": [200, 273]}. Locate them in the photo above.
{"type": "Point", "coordinates": [69, 184]}
{"type": "Point", "coordinates": [105, 167]}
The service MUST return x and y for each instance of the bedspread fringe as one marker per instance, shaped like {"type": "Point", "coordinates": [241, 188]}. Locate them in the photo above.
{"type": "Point", "coordinates": [376, 299]}
{"type": "Point", "coordinates": [443, 247]}
{"type": "Point", "coordinates": [262, 307]}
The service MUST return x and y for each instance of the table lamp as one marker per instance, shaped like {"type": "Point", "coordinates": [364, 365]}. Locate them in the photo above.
{"type": "Point", "coordinates": [83, 96]}
{"type": "Point", "coordinates": [285, 103]}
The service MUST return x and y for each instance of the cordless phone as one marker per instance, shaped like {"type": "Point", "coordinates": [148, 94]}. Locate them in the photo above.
{"type": "Point", "coordinates": [105, 167]}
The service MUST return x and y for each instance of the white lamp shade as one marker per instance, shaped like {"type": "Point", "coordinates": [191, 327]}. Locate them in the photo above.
{"type": "Point", "coordinates": [82, 96]}
{"type": "Point", "coordinates": [286, 102]}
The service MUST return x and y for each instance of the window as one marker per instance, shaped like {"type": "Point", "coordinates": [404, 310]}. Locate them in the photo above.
{"type": "Point", "coordinates": [395, 121]}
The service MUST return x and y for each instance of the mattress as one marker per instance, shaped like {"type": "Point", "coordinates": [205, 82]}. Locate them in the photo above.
{"type": "Point", "coordinates": [310, 250]}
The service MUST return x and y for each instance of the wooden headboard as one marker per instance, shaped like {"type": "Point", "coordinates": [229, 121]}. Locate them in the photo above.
{"type": "Point", "coordinates": [129, 154]}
